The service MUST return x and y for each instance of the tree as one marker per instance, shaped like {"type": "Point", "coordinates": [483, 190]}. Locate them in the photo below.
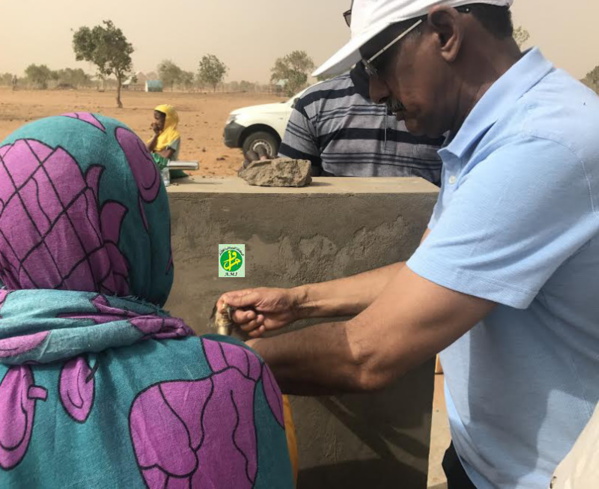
{"type": "Point", "coordinates": [39, 75]}
{"type": "Point", "coordinates": [186, 79]}
{"type": "Point", "coordinates": [107, 47]}
{"type": "Point", "coordinates": [246, 86]}
{"type": "Point", "coordinates": [591, 79]}
{"type": "Point", "coordinates": [321, 78]}
{"type": "Point", "coordinates": [73, 77]}
{"type": "Point", "coordinates": [6, 79]}
{"type": "Point", "coordinates": [212, 71]}
{"type": "Point", "coordinates": [521, 35]}
{"type": "Point", "coordinates": [169, 73]}
{"type": "Point", "coordinates": [292, 70]}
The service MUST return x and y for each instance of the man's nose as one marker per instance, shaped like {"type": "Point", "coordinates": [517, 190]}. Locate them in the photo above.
{"type": "Point", "coordinates": [378, 90]}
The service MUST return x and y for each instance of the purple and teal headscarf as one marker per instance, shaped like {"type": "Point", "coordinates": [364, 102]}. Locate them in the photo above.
{"type": "Point", "coordinates": [86, 264]}
{"type": "Point", "coordinates": [84, 239]}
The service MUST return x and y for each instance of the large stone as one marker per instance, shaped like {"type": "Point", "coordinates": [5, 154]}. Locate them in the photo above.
{"type": "Point", "coordinates": [278, 172]}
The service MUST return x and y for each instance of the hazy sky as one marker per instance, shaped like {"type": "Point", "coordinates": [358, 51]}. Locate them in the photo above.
{"type": "Point", "coordinates": [248, 35]}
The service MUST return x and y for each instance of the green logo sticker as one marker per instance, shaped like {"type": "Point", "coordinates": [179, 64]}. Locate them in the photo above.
{"type": "Point", "coordinates": [231, 261]}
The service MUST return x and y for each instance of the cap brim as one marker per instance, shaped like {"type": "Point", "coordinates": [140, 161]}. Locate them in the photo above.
{"type": "Point", "coordinates": [349, 54]}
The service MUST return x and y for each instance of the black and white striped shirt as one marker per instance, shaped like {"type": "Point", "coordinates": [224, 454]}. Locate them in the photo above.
{"type": "Point", "coordinates": [340, 130]}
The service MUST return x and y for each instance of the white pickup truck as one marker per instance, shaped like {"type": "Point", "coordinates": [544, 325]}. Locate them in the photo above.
{"type": "Point", "coordinates": [256, 125]}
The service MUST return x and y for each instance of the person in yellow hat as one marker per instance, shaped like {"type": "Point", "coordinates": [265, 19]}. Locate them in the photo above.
{"type": "Point", "coordinates": [166, 141]}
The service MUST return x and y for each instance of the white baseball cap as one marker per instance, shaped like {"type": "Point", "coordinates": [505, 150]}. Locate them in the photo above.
{"type": "Point", "coordinates": [371, 17]}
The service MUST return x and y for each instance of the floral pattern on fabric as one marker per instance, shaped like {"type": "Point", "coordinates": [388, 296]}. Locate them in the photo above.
{"type": "Point", "coordinates": [18, 396]}
{"type": "Point", "coordinates": [175, 426]}
{"type": "Point", "coordinates": [77, 388]}
{"type": "Point", "coordinates": [87, 117]}
{"type": "Point", "coordinates": [33, 260]}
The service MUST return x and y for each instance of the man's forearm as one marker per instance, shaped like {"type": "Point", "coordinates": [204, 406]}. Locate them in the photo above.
{"type": "Point", "coordinates": [317, 360]}
{"type": "Point", "coordinates": [410, 321]}
{"type": "Point", "coordinates": [346, 296]}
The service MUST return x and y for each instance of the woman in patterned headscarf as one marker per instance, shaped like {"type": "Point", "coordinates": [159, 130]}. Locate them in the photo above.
{"type": "Point", "coordinates": [99, 386]}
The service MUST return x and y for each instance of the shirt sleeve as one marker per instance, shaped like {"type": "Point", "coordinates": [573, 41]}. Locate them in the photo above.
{"type": "Point", "coordinates": [509, 223]}
{"type": "Point", "coordinates": [174, 145]}
{"type": "Point", "coordinates": [300, 139]}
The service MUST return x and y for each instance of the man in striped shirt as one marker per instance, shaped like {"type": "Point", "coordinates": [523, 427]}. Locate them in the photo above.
{"type": "Point", "coordinates": [336, 126]}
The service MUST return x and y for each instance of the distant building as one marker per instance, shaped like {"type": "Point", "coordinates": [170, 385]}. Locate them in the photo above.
{"type": "Point", "coordinates": [136, 82]}
{"type": "Point", "coordinates": [278, 86]}
{"type": "Point", "coordinates": [154, 86]}
{"type": "Point", "coordinates": [142, 77]}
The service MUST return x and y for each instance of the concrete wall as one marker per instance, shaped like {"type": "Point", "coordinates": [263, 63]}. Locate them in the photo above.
{"type": "Point", "coordinates": [334, 228]}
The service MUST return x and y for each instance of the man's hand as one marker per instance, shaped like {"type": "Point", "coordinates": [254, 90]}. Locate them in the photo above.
{"type": "Point", "coordinates": [257, 154]}
{"type": "Point", "coordinates": [259, 310]}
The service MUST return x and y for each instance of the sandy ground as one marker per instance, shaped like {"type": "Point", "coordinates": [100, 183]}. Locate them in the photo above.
{"type": "Point", "coordinates": [202, 117]}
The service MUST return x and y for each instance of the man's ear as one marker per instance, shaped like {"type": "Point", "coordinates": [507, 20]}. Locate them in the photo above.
{"type": "Point", "coordinates": [447, 25]}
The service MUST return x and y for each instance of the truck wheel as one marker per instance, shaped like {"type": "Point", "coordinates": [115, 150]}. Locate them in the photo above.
{"type": "Point", "coordinates": [262, 138]}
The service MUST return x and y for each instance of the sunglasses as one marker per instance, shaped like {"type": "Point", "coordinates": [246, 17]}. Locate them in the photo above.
{"type": "Point", "coordinates": [347, 17]}
{"type": "Point", "coordinates": [369, 64]}
{"type": "Point", "coordinates": [347, 14]}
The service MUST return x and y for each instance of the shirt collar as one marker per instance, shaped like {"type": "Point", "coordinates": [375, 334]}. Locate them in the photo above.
{"type": "Point", "coordinates": [500, 99]}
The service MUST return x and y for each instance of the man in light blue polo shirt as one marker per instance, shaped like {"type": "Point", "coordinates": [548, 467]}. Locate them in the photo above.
{"type": "Point", "coordinates": [506, 280]}
{"type": "Point", "coordinates": [516, 223]}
